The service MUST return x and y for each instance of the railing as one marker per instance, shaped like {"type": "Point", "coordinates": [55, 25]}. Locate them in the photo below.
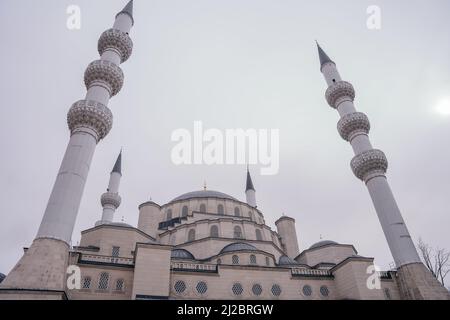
{"type": "Point", "coordinates": [385, 274]}
{"type": "Point", "coordinates": [90, 258]}
{"type": "Point", "coordinates": [193, 267]}
{"type": "Point", "coordinates": [311, 273]}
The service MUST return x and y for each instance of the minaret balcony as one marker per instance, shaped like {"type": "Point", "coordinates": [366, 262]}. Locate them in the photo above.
{"type": "Point", "coordinates": [117, 41]}
{"type": "Point", "coordinates": [112, 199]}
{"type": "Point", "coordinates": [369, 164]}
{"type": "Point", "coordinates": [339, 92]}
{"type": "Point", "coordinates": [90, 114]}
{"type": "Point", "coordinates": [352, 125]}
{"type": "Point", "coordinates": [104, 74]}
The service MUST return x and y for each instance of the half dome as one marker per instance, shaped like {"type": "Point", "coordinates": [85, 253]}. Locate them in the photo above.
{"type": "Point", "coordinates": [238, 246]}
{"type": "Point", "coordinates": [182, 254]}
{"type": "Point", "coordinates": [286, 261]}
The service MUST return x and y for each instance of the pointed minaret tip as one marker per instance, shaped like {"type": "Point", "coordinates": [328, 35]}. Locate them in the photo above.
{"type": "Point", "coordinates": [324, 58]}
{"type": "Point", "coordinates": [118, 165]}
{"type": "Point", "coordinates": [128, 10]}
{"type": "Point", "coordinates": [249, 185]}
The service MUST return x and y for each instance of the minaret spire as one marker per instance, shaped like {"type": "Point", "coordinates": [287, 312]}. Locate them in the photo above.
{"type": "Point", "coordinates": [250, 191]}
{"type": "Point", "coordinates": [323, 57]}
{"type": "Point", "coordinates": [43, 266]}
{"type": "Point", "coordinates": [128, 10]}
{"type": "Point", "coordinates": [118, 165]}
{"type": "Point", "coordinates": [111, 199]}
{"type": "Point", "coordinates": [249, 185]}
{"type": "Point", "coordinates": [370, 166]}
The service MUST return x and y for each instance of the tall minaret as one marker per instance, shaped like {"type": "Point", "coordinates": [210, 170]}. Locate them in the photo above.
{"type": "Point", "coordinates": [250, 192]}
{"type": "Point", "coordinates": [111, 200]}
{"type": "Point", "coordinates": [370, 165]}
{"type": "Point", "coordinates": [43, 266]}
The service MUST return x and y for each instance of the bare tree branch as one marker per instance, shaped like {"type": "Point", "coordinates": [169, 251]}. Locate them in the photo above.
{"type": "Point", "coordinates": [436, 260]}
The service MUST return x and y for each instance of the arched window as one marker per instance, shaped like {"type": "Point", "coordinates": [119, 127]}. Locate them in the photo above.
{"type": "Point", "coordinates": [220, 209]}
{"type": "Point", "coordinates": [235, 259]}
{"type": "Point", "coordinates": [120, 285]}
{"type": "Point", "coordinates": [251, 216]}
{"type": "Point", "coordinates": [237, 232]}
{"type": "Point", "coordinates": [203, 208]}
{"type": "Point", "coordinates": [252, 259]}
{"type": "Point", "coordinates": [103, 281]}
{"type": "Point", "coordinates": [219, 261]}
{"type": "Point", "coordinates": [214, 232]}
{"type": "Point", "coordinates": [184, 211]}
{"type": "Point", "coordinates": [258, 235]}
{"type": "Point", "coordinates": [87, 283]}
{"type": "Point", "coordinates": [191, 235]}
{"type": "Point", "coordinates": [237, 212]}
{"type": "Point", "coordinates": [267, 261]}
{"type": "Point", "coordinates": [169, 214]}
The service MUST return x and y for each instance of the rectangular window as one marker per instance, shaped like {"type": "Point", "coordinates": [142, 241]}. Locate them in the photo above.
{"type": "Point", "coordinates": [115, 251]}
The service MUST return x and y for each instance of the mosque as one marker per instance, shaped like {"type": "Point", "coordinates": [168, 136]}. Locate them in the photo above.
{"type": "Point", "coordinates": [204, 244]}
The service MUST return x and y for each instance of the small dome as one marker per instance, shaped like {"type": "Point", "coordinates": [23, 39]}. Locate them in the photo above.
{"type": "Point", "coordinates": [238, 246]}
{"type": "Point", "coordinates": [286, 261]}
{"type": "Point", "coordinates": [204, 194]}
{"type": "Point", "coordinates": [2, 277]}
{"type": "Point", "coordinates": [322, 243]}
{"type": "Point", "coordinates": [181, 254]}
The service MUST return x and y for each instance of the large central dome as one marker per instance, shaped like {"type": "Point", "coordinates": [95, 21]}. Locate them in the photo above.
{"type": "Point", "coordinates": [204, 194]}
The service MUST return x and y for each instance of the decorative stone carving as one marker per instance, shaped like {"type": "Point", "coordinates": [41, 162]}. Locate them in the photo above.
{"type": "Point", "coordinates": [118, 41]}
{"type": "Point", "coordinates": [106, 74]}
{"type": "Point", "coordinates": [339, 92]}
{"type": "Point", "coordinates": [353, 124]}
{"type": "Point", "coordinates": [112, 199]}
{"type": "Point", "coordinates": [369, 164]}
{"type": "Point", "coordinates": [90, 114]}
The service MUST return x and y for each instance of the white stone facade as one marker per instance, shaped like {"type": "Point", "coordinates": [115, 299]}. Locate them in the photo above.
{"type": "Point", "coordinates": [205, 244]}
{"type": "Point", "coordinates": [202, 255]}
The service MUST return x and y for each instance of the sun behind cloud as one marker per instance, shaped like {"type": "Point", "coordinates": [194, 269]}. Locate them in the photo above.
{"type": "Point", "coordinates": [443, 106]}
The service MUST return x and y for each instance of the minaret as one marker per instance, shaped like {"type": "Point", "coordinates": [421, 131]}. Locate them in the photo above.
{"type": "Point", "coordinates": [43, 266]}
{"type": "Point", "coordinates": [250, 192]}
{"type": "Point", "coordinates": [111, 200]}
{"type": "Point", "coordinates": [370, 166]}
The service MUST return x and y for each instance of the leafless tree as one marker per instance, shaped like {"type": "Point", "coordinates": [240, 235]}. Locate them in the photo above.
{"type": "Point", "coordinates": [437, 260]}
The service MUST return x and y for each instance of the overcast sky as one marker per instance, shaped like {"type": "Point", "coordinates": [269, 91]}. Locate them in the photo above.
{"type": "Point", "coordinates": [232, 64]}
